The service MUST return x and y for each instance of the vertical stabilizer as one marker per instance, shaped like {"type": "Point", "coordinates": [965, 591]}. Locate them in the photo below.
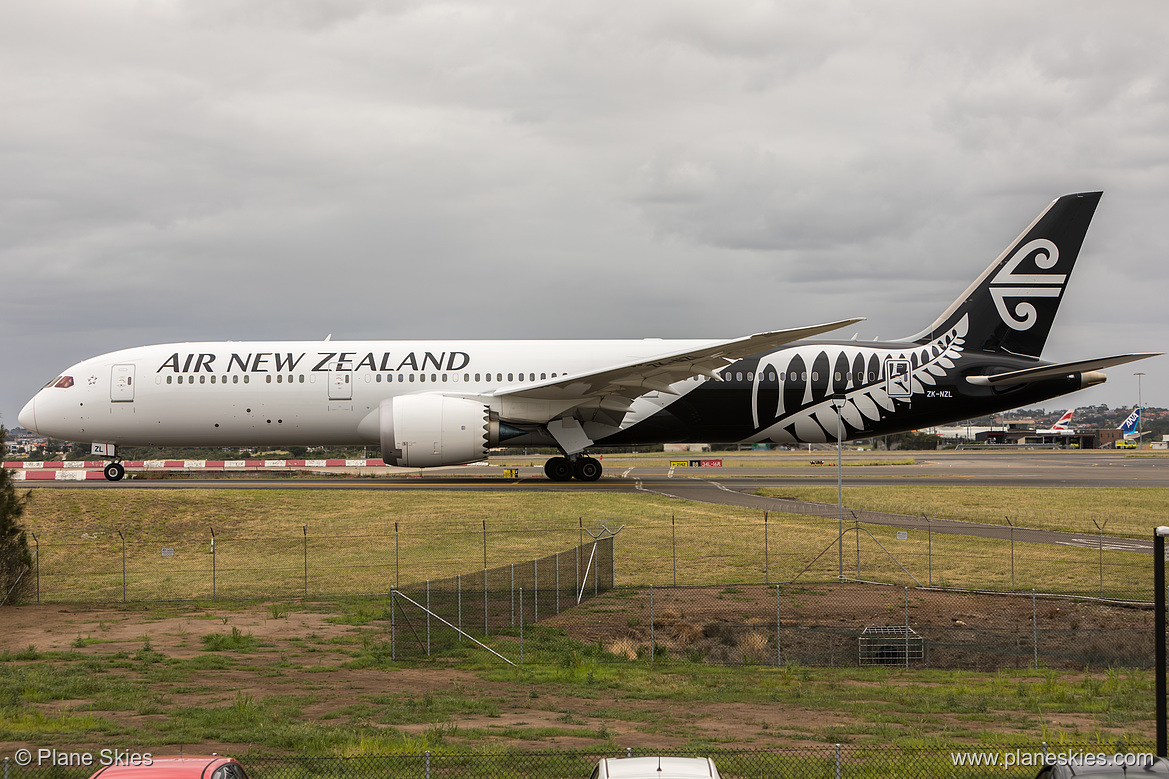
{"type": "Point", "coordinates": [1012, 305]}
{"type": "Point", "coordinates": [1129, 426]}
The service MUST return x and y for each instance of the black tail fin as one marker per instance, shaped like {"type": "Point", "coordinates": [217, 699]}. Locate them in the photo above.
{"type": "Point", "coordinates": [1010, 308]}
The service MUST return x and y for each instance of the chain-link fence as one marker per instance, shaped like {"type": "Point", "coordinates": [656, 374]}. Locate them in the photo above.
{"type": "Point", "coordinates": [814, 624]}
{"type": "Point", "coordinates": [693, 548]}
{"type": "Point", "coordinates": [829, 761]}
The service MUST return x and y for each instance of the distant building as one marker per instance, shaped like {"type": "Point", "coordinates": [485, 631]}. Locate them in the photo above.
{"type": "Point", "coordinates": [686, 448]}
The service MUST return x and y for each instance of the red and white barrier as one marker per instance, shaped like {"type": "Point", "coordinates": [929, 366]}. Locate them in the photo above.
{"type": "Point", "coordinates": [76, 470]}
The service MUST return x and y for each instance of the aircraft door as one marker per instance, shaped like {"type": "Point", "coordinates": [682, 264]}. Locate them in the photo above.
{"type": "Point", "coordinates": [340, 385]}
{"type": "Point", "coordinates": [122, 384]}
{"type": "Point", "coordinates": [899, 379]}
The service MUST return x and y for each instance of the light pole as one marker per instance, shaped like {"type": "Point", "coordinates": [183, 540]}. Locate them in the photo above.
{"type": "Point", "coordinates": [838, 404]}
{"type": "Point", "coordinates": [1140, 405]}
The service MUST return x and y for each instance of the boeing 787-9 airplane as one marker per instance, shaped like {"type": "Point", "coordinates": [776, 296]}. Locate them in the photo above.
{"type": "Point", "coordinates": [431, 403]}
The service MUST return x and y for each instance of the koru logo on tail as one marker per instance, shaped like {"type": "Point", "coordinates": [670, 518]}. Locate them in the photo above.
{"type": "Point", "coordinates": [1007, 283]}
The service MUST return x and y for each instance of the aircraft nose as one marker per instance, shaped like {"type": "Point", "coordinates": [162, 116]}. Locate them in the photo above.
{"type": "Point", "coordinates": [28, 416]}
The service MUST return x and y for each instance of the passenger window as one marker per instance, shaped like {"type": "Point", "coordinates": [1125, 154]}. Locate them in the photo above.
{"type": "Point", "coordinates": [212, 379]}
{"type": "Point", "coordinates": [467, 377]}
{"type": "Point", "coordinates": [168, 378]}
{"type": "Point", "coordinates": [444, 377]}
{"type": "Point", "coordinates": [247, 379]}
{"type": "Point", "coordinates": [509, 376]}
{"type": "Point", "coordinates": [235, 379]}
{"type": "Point", "coordinates": [378, 378]}
{"type": "Point", "coordinates": [202, 379]}
{"type": "Point", "coordinates": [542, 377]}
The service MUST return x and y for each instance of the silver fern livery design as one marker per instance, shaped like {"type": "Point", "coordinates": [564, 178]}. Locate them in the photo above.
{"type": "Point", "coordinates": [447, 403]}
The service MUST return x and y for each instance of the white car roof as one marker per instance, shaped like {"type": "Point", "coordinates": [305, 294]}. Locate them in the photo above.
{"type": "Point", "coordinates": [658, 768]}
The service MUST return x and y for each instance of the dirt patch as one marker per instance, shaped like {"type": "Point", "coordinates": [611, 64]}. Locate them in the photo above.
{"type": "Point", "coordinates": [824, 625]}
{"type": "Point", "coordinates": [304, 656]}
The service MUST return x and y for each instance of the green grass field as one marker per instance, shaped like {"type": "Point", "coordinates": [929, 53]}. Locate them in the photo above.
{"type": "Point", "coordinates": [334, 690]}
{"type": "Point", "coordinates": [1122, 511]}
{"type": "Point", "coordinates": [276, 543]}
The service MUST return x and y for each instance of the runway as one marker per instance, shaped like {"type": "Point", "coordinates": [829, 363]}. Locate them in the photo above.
{"type": "Point", "coordinates": [734, 483]}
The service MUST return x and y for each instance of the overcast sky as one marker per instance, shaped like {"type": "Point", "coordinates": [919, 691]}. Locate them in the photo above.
{"type": "Point", "coordinates": [257, 169]}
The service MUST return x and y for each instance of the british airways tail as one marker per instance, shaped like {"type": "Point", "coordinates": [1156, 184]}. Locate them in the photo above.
{"type": "Point", "coordinates": [1129, 426]}
{"type": "Point", "coordinates": [1063, 422]}
{"type": "Point", "coordinates": [1010, 308]}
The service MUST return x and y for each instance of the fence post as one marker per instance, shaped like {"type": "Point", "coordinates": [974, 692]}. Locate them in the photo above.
{"type": "Point", "coordinates": [558, 582]}
{"type": "Point", "coordinates": [778, 644]}
{"type": "Point", "coordinates": [428, 617]}
{"type": "Point", "coordinates": [459, 590]}
{"type": "Point", "coordinates": [766, 566]}
{"type": "Point", "coordinates": [1100, 534]}
{"type": "Point", "coordinates": [397, 581]}
{"type": "Point", "coordinates": [1012, 552]}
{"type": "Point", "coordinates": [838, 761]}
{"type": "Point", "coordinates": [535, 590]}
{"type": "Point", "coordinates": [651, 623]}
{"type": "Point", "coordinates": [428, 764]}
{"type": "Point", "coordinates": [1034, 629]}
{"type": "Point", "coordinates": [907, 628]}
{"type": "Point", "coordinates": [305, 529]}
{"type": "Point", "coordinates": [393, 625]}
{"type": "Point", "coordinates": [484, 577]}
{"type": "Point", "coordinates": [674, 548]}
{"type": "Point", "coordinates": [123, 564]}
{"type": "Point", "coordinates": [513, 595]}
{"type": "Point", "coordinates": [212, 563]}
{"type": "Point", "coordinates": [929, 530]}
{"type": "Point", "coordinates": [37, 542]}
{"type": "Point", "coordinates": [521, 625]}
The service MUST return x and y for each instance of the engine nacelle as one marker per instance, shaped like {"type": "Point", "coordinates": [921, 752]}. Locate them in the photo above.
{"type": "Point", "coordinates": [419, 431]}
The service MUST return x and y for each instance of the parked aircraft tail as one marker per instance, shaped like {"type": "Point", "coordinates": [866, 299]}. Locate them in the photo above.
{"type": "Point", "coordinates": [1129, 426]}
{"type": "Point", "coordinates": [1063, 422]}
{"type": "Point", "coordinates": [1010, 308]}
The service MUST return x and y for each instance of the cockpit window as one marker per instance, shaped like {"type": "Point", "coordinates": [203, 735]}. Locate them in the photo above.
{"type": "Point", "coordinates": [63, 382]}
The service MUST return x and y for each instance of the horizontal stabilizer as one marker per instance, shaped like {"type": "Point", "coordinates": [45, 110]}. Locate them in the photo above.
{"type": "Point", "coordinates": [1057, 370]}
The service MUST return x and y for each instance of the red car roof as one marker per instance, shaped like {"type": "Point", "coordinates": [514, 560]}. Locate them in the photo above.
{"type": "Point", "coordinates": [166, 767]}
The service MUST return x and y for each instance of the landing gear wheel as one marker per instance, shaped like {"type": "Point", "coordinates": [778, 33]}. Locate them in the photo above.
{"type": "Point", "coordinates": [587, 469]}
{"type": "Point", "coordinates": [115, 471]}
{"type": "Point", "coordinates": [558, 469]}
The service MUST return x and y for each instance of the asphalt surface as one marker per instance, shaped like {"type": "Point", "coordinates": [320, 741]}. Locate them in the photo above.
{"type": "Point", "coordinates": [742, 474]}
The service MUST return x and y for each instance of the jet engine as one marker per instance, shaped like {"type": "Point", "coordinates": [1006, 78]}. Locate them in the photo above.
{"type": "Point", "coordinates": [424, 430]}
{"type": "Point", "coordinates": [420, 431]}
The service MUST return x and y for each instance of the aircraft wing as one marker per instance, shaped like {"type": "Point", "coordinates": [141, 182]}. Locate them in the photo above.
{"type": "Point", "coordinates": [615, 388]}
{"type": "Point", "coordinates": [1058, 369]}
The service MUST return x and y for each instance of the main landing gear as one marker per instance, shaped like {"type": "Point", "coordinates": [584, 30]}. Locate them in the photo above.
{"type": "Point", "coordinates": [115, 471]}
{"type": "Point", "coordinates": [563, 469]}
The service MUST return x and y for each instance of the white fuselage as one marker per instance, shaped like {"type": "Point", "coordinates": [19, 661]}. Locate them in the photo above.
{"type": "Point", "coordinates": [295, 392]}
